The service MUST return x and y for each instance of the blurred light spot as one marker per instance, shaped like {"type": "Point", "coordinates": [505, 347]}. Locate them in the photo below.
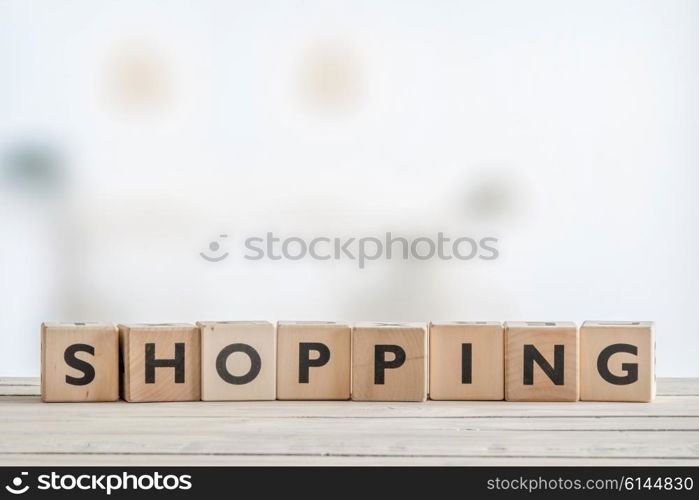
{"type": "Point", "coordinates": [138, 80]}
{"type": "Point", "coordinates": [493, 194]}
{"type": "Point", "coordinates": [33, 167]}
{"type": "Point", "coordinates": [330, 79]}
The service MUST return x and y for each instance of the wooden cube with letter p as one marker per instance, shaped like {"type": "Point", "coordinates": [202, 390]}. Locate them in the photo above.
{"type": "Point", "coordinates": [617, 360]}
{"type": "Point", "coordinates": [389, 362]}
{"type": "Point", "coordinates": [238, 360]}
{"type": "Point", "coordinates": [79, 362]}
{"type": "Point", "coordinates": [313, 360]}
{"type": "Point", "coordinates": [467, 360]}
{"type": "Point", "coordinates": [161, 362]}
{"type": "Point", "coordinates": [541, 361]}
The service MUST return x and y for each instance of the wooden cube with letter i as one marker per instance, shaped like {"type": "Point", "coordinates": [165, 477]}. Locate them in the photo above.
{"type": "Point", "coordinates": [467, 360]}
{"type": "Point", "coordinates": [161, 362]}
{"type": "Point", "coordinates": [389, 362]}
{"type": "Point", "coordinates": [541, 361]}
{"type": "Point", "coordinates": [313, 360]}
{"type": "Point", "coordinates": [79, 362]}
{"type": "Point", "coordinates": [617, 360]}
{"type": "Point", "coordinates": [238, 360]}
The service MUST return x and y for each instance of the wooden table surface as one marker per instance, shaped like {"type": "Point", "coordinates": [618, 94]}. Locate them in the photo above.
{"type": "Point", "coordinates": [665, 432]}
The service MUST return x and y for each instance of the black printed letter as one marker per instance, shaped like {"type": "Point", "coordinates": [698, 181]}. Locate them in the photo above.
{"type": "Point", "coordinates": [177, 363]}
{"type": "Point", "coordinates": [85, 367]}
{"type": "Point", "coordinates": [305, 361]}
{"type": "Point", "coordinates": [631, 369]}
{"type": "Point", "coordinates": [532, 355]}
{"type": "Point", "coordinates": [255, 364]}
{"type": "Point", "coordinates": [380, 363]}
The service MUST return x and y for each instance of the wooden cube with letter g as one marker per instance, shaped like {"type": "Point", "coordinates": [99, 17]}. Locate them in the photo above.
{"type": "Point", "coordinates": [617, 361]}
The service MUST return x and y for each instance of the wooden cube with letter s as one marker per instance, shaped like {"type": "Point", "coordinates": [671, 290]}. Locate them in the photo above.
{"type": "Point", "coordinates": [161, 362]}
{"type": "Point", "coordinates": [541, 361]}
{"type": "Point", "coordinates": [79, 362]}
{"type": "Point", "coordinates": [389, 362]}
{"type": "Point", "coordinates": [617, 360]}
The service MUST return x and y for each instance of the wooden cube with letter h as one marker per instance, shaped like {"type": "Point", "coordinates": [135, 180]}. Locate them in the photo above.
{"type": "Point", "coordinates": [79, 362]}
{"type": "Point", "coordinates": [238, 360]}
{"type": "Point", "coordinates": [617, 361]}
{"type": "Point", "coordinates": [389, 362]}
{"type": "Point", "coordinates": [313, 360]}
{"type": "Point", "coordinates": [541, 361]}
{"type": "Point", "coordinates": [161, 362]}
{"type": "Point", "coordinates": [467, 360]}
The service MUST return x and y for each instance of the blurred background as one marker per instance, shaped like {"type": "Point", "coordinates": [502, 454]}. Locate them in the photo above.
{"type": "Point", "coordinates": [134, 133]}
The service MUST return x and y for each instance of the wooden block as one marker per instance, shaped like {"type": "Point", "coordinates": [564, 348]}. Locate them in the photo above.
{"type": "Point", "coordinates": [161, 362]}
{"type": "Point", "coordinates": [541, 361]}
{"type": "Point", "coordinates": [79, 362]}
{"type": "Point", "coordinates": [617, 360]}
{"type": "Point", "coordinates": [389, 362]}
{"type": "Point", "coordinates": [467, 360]}
{"type": "Point", "coordinates": [313, 360]}
{"type": "Point", "coordinates": [238, 360]}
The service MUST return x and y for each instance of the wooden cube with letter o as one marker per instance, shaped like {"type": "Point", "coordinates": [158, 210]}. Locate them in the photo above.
{"type": "Point", "coordinates": [238, 360]}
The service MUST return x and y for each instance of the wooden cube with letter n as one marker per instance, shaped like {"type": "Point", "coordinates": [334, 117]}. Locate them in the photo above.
{"type": "Point", "coordinates": [467, 360]}
{"type": "Point", "coordinates": [238, 360]}
{"type": "Point", "coordinates": [79, 362]}
{"type": "Point", "coordinates": [161, 362]}
{"type": "Point", "coordinates": [389, 362]}
{"type": "Point", "coordinates": [313, 360]}
{"type": "Point", "coordinates": [617, 360]}
{"type": "Point", "coordinates": [541, 361]}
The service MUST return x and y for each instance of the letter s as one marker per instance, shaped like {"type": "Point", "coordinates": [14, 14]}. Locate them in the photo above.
{"type": "Point", "coordinates": [249, 246]}
{"type": "Point", "coordinates": [74, 362]}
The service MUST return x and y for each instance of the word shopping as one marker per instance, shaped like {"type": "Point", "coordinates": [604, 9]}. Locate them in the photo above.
{"type": "Point", "coordinates": [315, 360]}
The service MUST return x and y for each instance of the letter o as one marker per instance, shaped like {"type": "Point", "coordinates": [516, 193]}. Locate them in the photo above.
{"type": "Point", "coordinates": [255, 364]}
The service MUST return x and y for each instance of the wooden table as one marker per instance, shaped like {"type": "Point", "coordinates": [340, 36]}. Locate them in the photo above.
{"type": "Point", "coordinates": [665, 432]}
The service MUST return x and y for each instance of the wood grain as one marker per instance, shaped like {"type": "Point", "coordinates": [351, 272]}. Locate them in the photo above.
{"type": "Point", "coordinates": [405, 383]}
{"type": "Point", "coordinates": [543, 336]}
{"type": "Point", "coordinates": [486, 340]}
{"type": "Point", "coordinates": [260, 336]}
{"type": "Point", "coordinates": [328, 382]}
{"type": "Point", "coordinates": [133, 340]}
{"type": "Point", "coordinates": [598, 335]}
{"type": "Point", "coordinates": [102, 338]}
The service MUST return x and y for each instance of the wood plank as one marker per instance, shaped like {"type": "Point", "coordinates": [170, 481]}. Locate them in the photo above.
{"type": "Point", "coordinates": [664, 406]}
{"type": "Point", "coordinates": [71, 425]}
{"type": "Point", "coordinates": [323, 460]}
{"type": "Point", "coordinates": [358, 438]}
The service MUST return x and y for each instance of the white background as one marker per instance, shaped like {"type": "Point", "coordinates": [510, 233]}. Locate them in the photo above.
{"type": "Point", "coordinates": [566, 129]}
